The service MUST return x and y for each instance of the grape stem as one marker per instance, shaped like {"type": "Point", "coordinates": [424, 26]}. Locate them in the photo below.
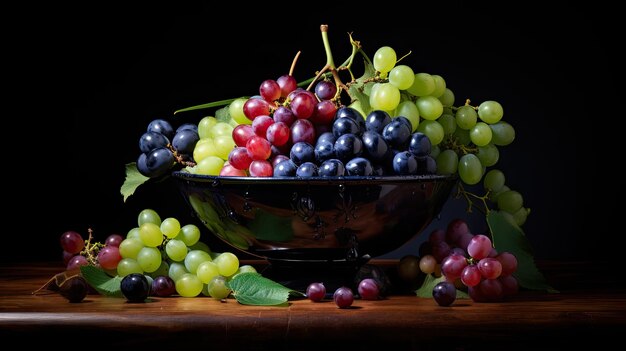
{"type": "Point", "coordinates": [330, 63]}
{"type": "Point", "coordinates": [293, 63]}
{"type": "Point", "coordinates": [471, 198]}
{"type": "Point", "coordinates": [90, 252]}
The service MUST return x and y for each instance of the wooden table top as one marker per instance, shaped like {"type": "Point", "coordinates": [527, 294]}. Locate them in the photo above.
{"type": "Point", "coordinates": [582, 311]}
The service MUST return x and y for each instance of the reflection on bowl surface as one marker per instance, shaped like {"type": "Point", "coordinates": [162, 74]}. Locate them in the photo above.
{"type": "Point", "coordinates": [315, 219]}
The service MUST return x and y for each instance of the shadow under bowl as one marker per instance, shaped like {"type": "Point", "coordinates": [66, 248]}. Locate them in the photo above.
{"type": "Point", "coordinates": [318, 219]}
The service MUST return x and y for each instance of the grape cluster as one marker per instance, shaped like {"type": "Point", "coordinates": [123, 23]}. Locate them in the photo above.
{"type": "Point", "coordinates": [468, 260]}
{"type": "Point", "coordinates": [80, 252]}
{"type": "Point", "coordinates": [174, 260]}
{"type": "Point", "coordinates": [161, 148]}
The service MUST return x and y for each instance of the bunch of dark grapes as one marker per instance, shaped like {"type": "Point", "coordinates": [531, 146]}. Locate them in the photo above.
{"type": "Point", "coordinates": [468, 260]}
{"type": "Point", "coordinates": [295, 132]}
{"type": "Point", "coordinates": [80, 252]}
{"type": "Point", "coordinates": [161, 147]}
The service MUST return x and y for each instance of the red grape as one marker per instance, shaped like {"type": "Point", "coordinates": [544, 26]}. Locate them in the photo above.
{"type": "Point", "coordinates": [242, 133]}
{"type": "Point", "coordinates": [287, 84]}
{"type": "Point", "coordinates": [479, 247]}
{"type": "Point", "coordinates": [303, 105]}
{"type": "Point", "coordinates": [229, 171]}
{"type": "Point", "coordinates": [456, 229]}
{"type": "Point", "coordinates": [109, 257]}
{"type": "Point", "coordinates": [261, 168]}
{"type": "Point", "coordinates": [239, 158]}
{"type": "Point", "coordinates": [471, 276]}
{"type": "Point", "coordinates": [508, 262]}
{"type": "Point", "coordinates": [283, 114]}
{"type": "Point", "coordinates": [256, 107]}
{"type": "Point", "coordinates": [113, 240]}
{"type": "Point", "coordinates": [452, 266]}
{"type": "Point", "coordinates": [270, 90]}
{"type": "Point", "coordinates": [343, 297]}
{"type": "Point", "coordinates": [324, 112]}
{"type": "Point", "coordinates": [76, 262]}
{"type": "Point", "coordinates": [316, 291]}
{"type": "Point", "coordinates": [260, 125]}
{"type": "Point", "coordinates": [259, 148]}
{"type": "Point", "coordinates": [278, 133]}
{"type": "Point", "coordinates": [72, 242]}
{"type": "Point", "coordinates": [490, 268]}
{"type": "Point", "coordinates": [303, 130]}
{"type": "Point", "coordinates": [368, 289]}
{"type": "Point", "coordinates": [509, 284]}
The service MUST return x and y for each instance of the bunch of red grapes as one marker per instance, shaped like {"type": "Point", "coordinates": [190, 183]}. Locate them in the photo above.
{"type": "Point", "coordinates": [468, 260]}
{"type": "Point", "coordinates": [80, 252]}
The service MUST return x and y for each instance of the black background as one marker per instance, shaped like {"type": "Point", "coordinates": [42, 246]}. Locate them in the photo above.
{"type": "Point", "coordinates": [90, 79]}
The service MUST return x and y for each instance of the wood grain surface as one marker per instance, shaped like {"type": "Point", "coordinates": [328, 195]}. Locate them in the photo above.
{"type": "Point", "coordinates": [583, 311]}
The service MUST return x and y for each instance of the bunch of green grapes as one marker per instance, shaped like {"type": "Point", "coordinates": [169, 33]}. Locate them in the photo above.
{"type": "Point", "coordinates": [165, 248]}
{"type": "Point", "coordinates": [215, 144]}
{"type": "Point", "coordinates": [465, 138]}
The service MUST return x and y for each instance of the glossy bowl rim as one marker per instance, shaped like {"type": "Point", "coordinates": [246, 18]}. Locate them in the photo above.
{"type": "Point", "coordinates": [182, 175]}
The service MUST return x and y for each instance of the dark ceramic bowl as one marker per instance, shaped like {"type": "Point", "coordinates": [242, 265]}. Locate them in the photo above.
{"type": "Point", "coordinates": [320, 219]}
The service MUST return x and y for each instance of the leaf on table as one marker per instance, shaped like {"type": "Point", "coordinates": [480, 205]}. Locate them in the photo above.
{"type": "Point", "coordinates": [426, 290]}
{"type": "Point", "coordinates": [133, 180]}
{"type": "Point", "coordinates": [254, 289]}
{"type": "Point", "coordinates": [508, 236]}
{"type": "Point", "coordinates": [102, 282]}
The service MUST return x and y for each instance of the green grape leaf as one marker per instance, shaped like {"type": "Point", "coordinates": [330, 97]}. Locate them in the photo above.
{"type": "Point", "coordinates": [223, 114]}
{"type": "Point", "coordinates": [102, 282]}
{"type": "Point", "coordinates": [361, 86]}
{"type": "Point", "coordinates": [133, 180]}
{"type": "Point", "coordinates": [426, 290]}
{"type": "Point", "coordinates": [253, 289]}
{"type": "Point", "coordinates": [207, 105]}
{"type": "Point", "coordinates": [508, 236]}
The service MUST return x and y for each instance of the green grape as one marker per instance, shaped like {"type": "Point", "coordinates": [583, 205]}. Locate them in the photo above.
{"type": "Point", "coordinates": [447, 98]}
{"type": "Point", "coordinates": [466, 117]}
{"type": "Point", "coordinates": [150, 234]}
{"type": "Point", "coordinates": [127, 266]}
{"type": "Point", "coordinates": [224, 144]}
{"type": "Point", "coordinates": [520, 216]}
{"type": "Point", "coordinates": [488, 155]}
{"type": "Point", "coordinates": [204, 148]}
{"type": "Point", "coordinates": [494, 195]}
{"type": "Point", "coordinates": [205, 290]}
{"type": "Point", "coordinates": [227, 263]}
{"type": "Point", "coordinates": [246, 268]}
{"type": "Point", "coordinates": [440, 86]}
{"type": "Point", "coordinates": [149, 258]}
{"type": "Point", "coordinates": [503, 133]}
{"type": "Point", "coordinates": [236, 111]}
{"type": "Point", "coordinates": [510, 201]}
{"type": "Point", "coordinates": [194, 258]}
{"type": "Point", "coordinates": [470, 169]}
{"type": "Point", "coordinates": [188, 285]}
{"type": "Point", "coordinates": [205, 125]}
{"type": "Point", "coordinates": [200, 246]}
{"type": "Point", "coordinates": [233, 123]}
{"type": "Point", "coordinates": [384, 59]}
{"type": "Point", "coordinates": [212, 165]}
{"type": "Point", "coordinates": [430, 108]}
{"type": "Point", "coordinates": [190, 234]}
{"type": "Point", "coordinates": [448, 122]}
{"type": "Point", "coordinates": [435, 151]}
{"type": "Point", "coordinates": [490, 111]}
{"type": "Point", "coordinates": [129, 247]}
{"type": "Point", "coordinates": [447, 162]}
{"type": "Point", "coordinates": [217, 288]}
{"type": "Point", "coordinates": [480, 134]}
{"type": "Point", "coordinates": [133, 233]}
{"type": "Point", "coordinates": [409, 110]}
{"type": "Point", "coordinates": [176, 250]}
{"type": "Point", "coordinates": [423, 85]}
{"type": "Point", "coordinates": [402, 77]}
{"type": "Point", "coordinates": [177, 270]}
{"type": "Point", "coordinates": [148, 216]}
{"type": "Point", "coordinates": [221, 128]}
{"type": "Point", "coordinates": [494, 180]}
{"type": "Point", "coordinates": [206, 271]}
{"type": "Point", "coordinates": [433, 130]}
{"type": "Point", "coordinates": [462, 136]}
{"type": "Point", "coordinates": [162, 270]}
{"type": "Point", "coordinates": [384, 96]}
{"type": "Point", "coordinates": [357, 106]}
{"type": "Point", "coordinates": [170, 227]}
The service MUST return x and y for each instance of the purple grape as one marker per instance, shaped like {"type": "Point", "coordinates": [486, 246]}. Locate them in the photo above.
{"type": "Point", "coordinates": [404, 163]}
{"type": "Point", "coordinates": [113, 240]}
{"type": "Point", "coordinates": [283, 114]}
{"type": "Point", "coordinates": [163, 286]}
{"type": "Point", "coordinates": [325, 90]}
{"type": "Point", "coordinates": [419, 145]}
{"type": "Point", "coordinates": [307, 169]}
{"type": "Point", "coordinates": [285, 168]}
{"type": "Point", "coordinates": [397, 134]}
{"type": "Point", "coordinates": [332, 168]}
{"type": "Point", "coordinates": [359, 166]}
{"type": "Point", "coordinates": [376, 121]}
{"type": "Point", "coordinates": [368, 289]}
{"type": "Point", "coordinates": [348, 146]}
{"type": "Point", "coordinates": [345, 125]}
{"type": "Point", "coordinates": [72, 242]}
{"type": "Point", "coordinates": [452, 266]}
{"type": "Point", "coordinates": [135, 287]}
{"type": "Point", "coordinates": [374, 146]}
{"type": "Point", "coordinates": [302, 130]}
{"type": "Point", "coordinates": [76, 262]}
{"type": "Point", "coordinates": [444, 293]}
{"type": "Point", "coordinates": [343, 297]}
{"type": "Point", "coordinates": [161, 126]}
{"type": "Point", "coordinates": [152, 140]}
{"type": "Point", "coordinates": [316, 292]}
{"type": "Point", "coordinates": [302, 152]}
